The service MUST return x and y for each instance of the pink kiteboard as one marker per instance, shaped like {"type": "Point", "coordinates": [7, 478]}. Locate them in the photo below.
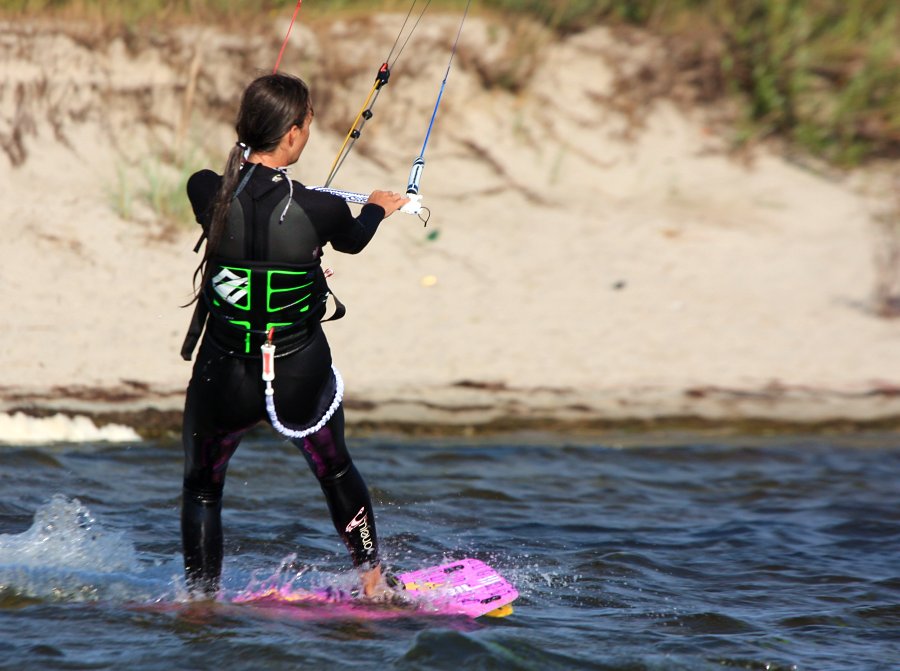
{"type": "Point", "coordinates": [468, 586]}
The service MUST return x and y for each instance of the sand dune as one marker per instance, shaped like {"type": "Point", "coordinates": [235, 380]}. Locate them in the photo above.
{"type": "Point", "coordinates": [577, 268]}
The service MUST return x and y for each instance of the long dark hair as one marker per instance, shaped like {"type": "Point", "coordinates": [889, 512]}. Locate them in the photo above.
{"type": "Point", "coordinates": [270, 105]}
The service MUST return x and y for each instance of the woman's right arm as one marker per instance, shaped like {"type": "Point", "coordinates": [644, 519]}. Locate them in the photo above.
{"type": "Point", "coordinates": [350, 234]}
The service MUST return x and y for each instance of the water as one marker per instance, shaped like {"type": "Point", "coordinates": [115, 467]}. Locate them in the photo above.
{"type": "Point", "coordinates": [749, 554]}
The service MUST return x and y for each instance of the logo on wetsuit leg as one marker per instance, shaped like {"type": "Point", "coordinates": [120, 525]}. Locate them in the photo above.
{"type": "Point", "coordinates": [361, 521]}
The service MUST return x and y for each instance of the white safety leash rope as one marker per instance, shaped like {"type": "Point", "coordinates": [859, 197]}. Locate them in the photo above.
{"type": "Point", "coordinates": [268, 375]}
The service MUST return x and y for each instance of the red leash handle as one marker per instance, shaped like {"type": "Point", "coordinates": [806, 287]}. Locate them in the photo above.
{"type": "Point", "coordinates": [268, 357]}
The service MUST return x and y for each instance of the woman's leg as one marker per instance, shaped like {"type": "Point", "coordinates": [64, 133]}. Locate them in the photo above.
{"type": "Point", "coordinates": [201, 513]}
{"type": "Point", "coordinates": [304, 390]}
{"type": "Point", "coordinates": [345, 490]}
{"type": "Point", "coordinates": [222, 402]}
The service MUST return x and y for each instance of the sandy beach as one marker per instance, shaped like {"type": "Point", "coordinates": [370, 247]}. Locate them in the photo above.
{"type": "Point", "coordinates": [584, 265]}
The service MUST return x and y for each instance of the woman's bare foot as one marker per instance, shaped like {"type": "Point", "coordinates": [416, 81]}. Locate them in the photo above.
{"type": "Point", "coordinates": [372, 582]}
{"type": "Point", "coordinates": [377, 585]}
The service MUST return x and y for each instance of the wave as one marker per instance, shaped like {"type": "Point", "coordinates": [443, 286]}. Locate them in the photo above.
{"type": "Point", "coordinates": [21, 429]}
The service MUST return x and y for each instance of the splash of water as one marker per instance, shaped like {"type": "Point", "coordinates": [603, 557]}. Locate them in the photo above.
{"type": "Point", "coordinates": [67, 555]}
{"type": "Point", "coordinates": [66, 535]}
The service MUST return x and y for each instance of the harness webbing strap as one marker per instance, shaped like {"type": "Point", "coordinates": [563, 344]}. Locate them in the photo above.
{"type": "Point", "coordinates": [195, 330]}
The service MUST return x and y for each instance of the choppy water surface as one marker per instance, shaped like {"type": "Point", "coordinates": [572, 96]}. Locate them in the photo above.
{"type": "Point", "coordinates": [775, 554]}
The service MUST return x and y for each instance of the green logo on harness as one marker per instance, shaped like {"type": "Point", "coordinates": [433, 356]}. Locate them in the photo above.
{"type": "Point", "coordinates": [284, 292]}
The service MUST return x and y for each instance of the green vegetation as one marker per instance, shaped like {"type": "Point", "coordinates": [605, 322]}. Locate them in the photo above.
{"type": "Point", "coordinates": [164, 187]}
{"type": "Point", "coordinates": [130, 11]}
{"type": "Point", "coordinates": [823, 74]}
{"type": "Point", "coordinates": [156, 187]}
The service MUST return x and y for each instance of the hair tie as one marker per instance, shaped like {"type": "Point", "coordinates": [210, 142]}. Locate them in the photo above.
{"type": "Point", "coordinates": [241, 145]}
{"type": "Point", "coordinates": [244, 149]}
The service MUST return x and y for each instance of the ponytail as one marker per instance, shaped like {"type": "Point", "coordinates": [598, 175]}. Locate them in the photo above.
{"type": "Point", "coordinates": [220, 206]}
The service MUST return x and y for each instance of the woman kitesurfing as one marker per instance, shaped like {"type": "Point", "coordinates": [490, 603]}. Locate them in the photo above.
{"type": "Point", "coordinates": [261, 297]}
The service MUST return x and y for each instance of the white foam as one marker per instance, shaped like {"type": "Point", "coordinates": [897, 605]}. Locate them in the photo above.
{"type": "Point", "coordinates": [21, 429]}
{"type": "Point", "coordinates": [68, 555]}
{"type": "Point", "coordinates": [66, 535]}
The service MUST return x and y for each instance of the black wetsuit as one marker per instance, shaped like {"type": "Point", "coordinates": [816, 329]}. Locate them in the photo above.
{"type": "Point", "coordinates": [225, 396]}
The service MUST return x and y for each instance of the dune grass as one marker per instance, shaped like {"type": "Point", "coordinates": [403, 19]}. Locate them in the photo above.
{"type": "Point", "coordinates": [822, 74]}
{"type": "Point", "coordinates": [153, 189]}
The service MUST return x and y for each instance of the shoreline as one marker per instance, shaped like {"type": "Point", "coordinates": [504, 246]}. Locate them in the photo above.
{"type": "Point", "coordinates": [470, 410]}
